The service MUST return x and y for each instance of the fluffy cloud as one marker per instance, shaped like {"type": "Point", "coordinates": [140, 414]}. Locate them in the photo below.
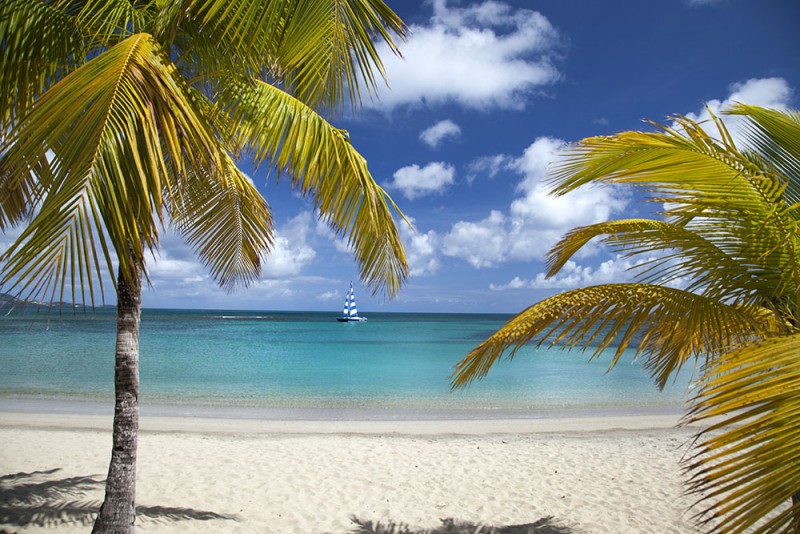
{"type": "Point", "coordinates": [440, 131]}
{"type": "Point", "coordinates": [421, 250]}
{"type": "Point", "coordinates": [415, 182]}
{"type": "Point", "coordinates": [539, 218]}
{"type": "Point", "coordinates": [766, 92]}
{"type": "Point", "coordinates": [482, 56]}
{"type": "Point", "coordinates": [487, 165]}
{"type": "Point", "coordinates": [536, 219]}
{"type": "Point", "coordinates": [572, 276]}
{"type": "Point", "coordinates": [481, 244]}
{"type": "Point", "coordinates": [328, 296]}
{"type": "Point", "coordinates": [290, 251]}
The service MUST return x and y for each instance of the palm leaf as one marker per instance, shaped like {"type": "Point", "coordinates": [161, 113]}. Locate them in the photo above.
{"type": "Point", "coordinates": [328, 49]}
{"type": "Point", "coordinates": [666, 325]}
{"type": "Point", "coordinates": [227, 222]}
{"type": "Point", "coordinates": [677, 163]}
{"type": "Point", "coordinates": [325, 167]}
{"type": "Point", "coordinates": [720, 258]}
{"type": "Point", "coordinates": [322, 49]}
{"type": "Point", "coordinates": [120, 129]}
{"type": "Point", "coordinates": [775, 135]}
{"type": "Point", "coordinates": [57, 38]}
{"type": "Point", "coordinates": [45, 40]}
{"type": "Point", "coordinates": [746, 468]}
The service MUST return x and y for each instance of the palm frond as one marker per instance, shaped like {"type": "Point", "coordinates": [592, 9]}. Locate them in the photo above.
{"type": "Point", "coordinates": [42, 41]}
{"type": "Point", "coordinates": [668, 326]}
{"type": "Point", "coordinates": [732, 259]}
{"type": "Point", "coordinates": [243, 27]}
{"type": "Point", "coordinates": [228, 223]}
{"type": "Point", "coordinates": [775, 135]}
{"type": "Point", "coordinates": [323, 50]}
{"type": "Point", "coordinates": [39, 43]}
{"type": "Point", "coordinates": [325, 167]}
{"type": "Point", "coordinates": [746, 469]}
{"type": "Point", "coordinates": [328, 49]}
{"type": "Point", "coordinates": [676, 162]}
{"type": "Point", "coordinates": [121, 129]}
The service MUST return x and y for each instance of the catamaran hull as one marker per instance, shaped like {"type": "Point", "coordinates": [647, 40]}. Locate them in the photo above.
{"type": "Point", "coordinates": [351, 319]}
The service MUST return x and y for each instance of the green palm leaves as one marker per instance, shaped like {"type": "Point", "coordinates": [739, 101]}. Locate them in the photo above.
{"type": "Point", "coordinates": [323, 165]}
{"type": "Point", "coordinates": [746, 469]}
{"type": "Point", "coordinates": [717, 281]}
{"type": "Point", "coordinates": [120, 116]}
{"type": "Point", "coordinates": [120, 129]}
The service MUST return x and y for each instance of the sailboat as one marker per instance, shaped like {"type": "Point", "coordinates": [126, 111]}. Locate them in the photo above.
{"type": "Point", "coordinates": [350, 312]}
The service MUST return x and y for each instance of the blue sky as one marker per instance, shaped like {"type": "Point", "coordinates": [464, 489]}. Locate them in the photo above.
{"type": "Point", "coordinates": [485, 95]}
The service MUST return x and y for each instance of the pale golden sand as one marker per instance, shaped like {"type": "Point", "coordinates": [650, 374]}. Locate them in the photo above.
{"type": "Point", "coordinates": [593, 475]}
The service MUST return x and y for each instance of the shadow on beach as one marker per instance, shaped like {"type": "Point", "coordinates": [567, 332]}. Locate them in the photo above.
{"type": "Point", "coordinates": [545, 525]}
{"type": "Point", "coordinates": [39, 499]}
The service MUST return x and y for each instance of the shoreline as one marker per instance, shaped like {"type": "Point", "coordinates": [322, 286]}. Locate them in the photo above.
{"type": "Point", "coordinates": [430, 427]}
{"type": "Point", "coordinates": [51, 413]}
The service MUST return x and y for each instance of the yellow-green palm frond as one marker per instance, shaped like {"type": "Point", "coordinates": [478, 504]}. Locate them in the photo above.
{"type": "Point", "coordinates": [676, 163]}
{"type": "Point", "coordinates": [328, 49]}
{"type": "Point", "coordinates": [746, 470]}
{"type": "Point", "coordinates": [323, 50]}
{"type": "Point", "coordinates": [43, 40]}
{"type": "Point", "coordinates": [717, 192]}
{"type": "Point", "coordinates": [775, 136]}
{"type": "Point", "coordinates": [121, 129]}
{"type": "Point", "coordinates": [227, 222]}
{"type": "Point", "coordinates": [38, 43]}
{"type": "Point", "coordinates": [110, 21]}
{"type": "Point", "coordinates": [668, 326]}
{"type": "Point", "coordinates": [211, 40]}
{"type": "Point", "coordinates": [325, 167]}
{"type": "Point", "coordinates": [242, 28]}
{"type": "Point", "coordinates": [732, 260]}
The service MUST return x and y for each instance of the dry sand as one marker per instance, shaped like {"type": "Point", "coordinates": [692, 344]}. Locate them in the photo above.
{"type": "Point", "coordinates": [591, 475]}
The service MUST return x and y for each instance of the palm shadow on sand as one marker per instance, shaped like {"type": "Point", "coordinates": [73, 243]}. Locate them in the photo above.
{"type": "Point", "coordinates": [38, 498]}
{"type": "Point", "coordinates": [545, 525]}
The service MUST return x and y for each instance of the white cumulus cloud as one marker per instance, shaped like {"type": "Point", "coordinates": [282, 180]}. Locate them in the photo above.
{"type": "Point", "coordinates": [488, 165]}
{"type": "Point", "coordinates": [416, 182]}
{"type": "Point", "coordinates": [481, 244]}
{"type": "Point", "coordinates": [572, 276]}
{"type": "Point", "coordinates": [535, 219]}
{"type": "Point", "coordinates": [765, 92]}
{"type": "Point", "coordinates": [290, 252]}
{"type": "Point", "coordinates": [421, 249]}
{"type": "Point", "coordinates": [439, 132]}
{"type": "Point", "coordinates": [482, 56]}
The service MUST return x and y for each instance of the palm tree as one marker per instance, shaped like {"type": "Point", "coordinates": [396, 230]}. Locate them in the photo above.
{"type": "Point", "coordinates": [121, 116]}
{"type": "Point", "coordinates": [717, 282]}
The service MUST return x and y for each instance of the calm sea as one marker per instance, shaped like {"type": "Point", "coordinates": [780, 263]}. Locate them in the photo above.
{"type": "Point", "coordinates": [296, 365]}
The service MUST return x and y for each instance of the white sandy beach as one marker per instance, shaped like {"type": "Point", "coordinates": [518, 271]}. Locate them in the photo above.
{"type": "Point", "coordinates": [589, 475]}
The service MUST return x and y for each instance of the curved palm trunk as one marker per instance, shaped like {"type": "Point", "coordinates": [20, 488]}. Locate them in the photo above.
{"type": "Point", "coordinates": [117, 514]}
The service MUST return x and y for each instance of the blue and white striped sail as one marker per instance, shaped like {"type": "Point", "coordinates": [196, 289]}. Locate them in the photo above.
{"type": "Point", "coordinates": [350, 311]}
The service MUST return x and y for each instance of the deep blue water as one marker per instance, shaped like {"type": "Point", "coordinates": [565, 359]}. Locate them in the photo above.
{"type": "Point", "coordinates": [296, 360]}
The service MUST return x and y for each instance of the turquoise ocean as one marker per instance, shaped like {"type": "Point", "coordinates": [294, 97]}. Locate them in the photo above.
{"type": "Point", "coordinates": [296, 365]}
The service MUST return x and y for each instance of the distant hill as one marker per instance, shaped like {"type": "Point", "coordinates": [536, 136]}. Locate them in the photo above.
{"type": "Point", "coordinates": [6, 299]}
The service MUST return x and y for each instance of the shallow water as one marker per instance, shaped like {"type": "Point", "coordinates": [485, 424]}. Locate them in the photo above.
{"type": "Point", "coordinates": [307, 363]}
